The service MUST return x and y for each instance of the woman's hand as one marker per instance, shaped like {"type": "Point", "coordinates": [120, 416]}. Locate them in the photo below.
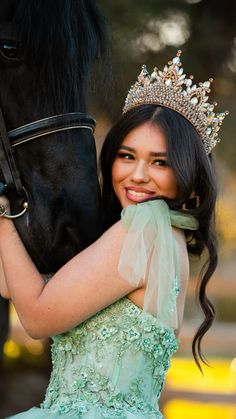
{"type": "Point", "coordinates": [7, 228]}
{"type": "Point", "coordinates": [4, 208]}
{"type": "Point", "coordinates": [6, 224]}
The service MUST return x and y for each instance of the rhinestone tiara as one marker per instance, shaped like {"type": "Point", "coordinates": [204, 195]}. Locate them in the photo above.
{"type": "Point", "coordinates": [172, 89]}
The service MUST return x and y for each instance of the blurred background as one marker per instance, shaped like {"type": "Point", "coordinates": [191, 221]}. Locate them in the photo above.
{"type": "Point", "coordinates": [151, 32]}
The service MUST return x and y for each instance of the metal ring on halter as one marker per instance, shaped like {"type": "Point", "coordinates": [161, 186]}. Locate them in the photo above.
{"type": "Point", "coordinates": [5, 215]}
{"type": "Point", "coordinates": [3, 210]}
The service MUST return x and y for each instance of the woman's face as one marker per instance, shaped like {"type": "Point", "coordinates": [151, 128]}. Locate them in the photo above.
{"type": "Point", "coordinates": [140, 170]}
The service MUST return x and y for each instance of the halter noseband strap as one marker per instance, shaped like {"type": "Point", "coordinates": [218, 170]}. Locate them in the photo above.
{"type": "Point", "coordinates": [28, 132]}
{"type": "Point", "coordinates": [50, 125]}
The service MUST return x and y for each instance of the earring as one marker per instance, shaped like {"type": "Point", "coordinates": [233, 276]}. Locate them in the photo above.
{"type": "Point", "coordinates": [193, 202]}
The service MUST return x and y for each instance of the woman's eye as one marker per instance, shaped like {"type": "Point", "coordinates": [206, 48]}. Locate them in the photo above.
{"type": "Point", "coordinates": [160, 162]}
{"type": "Point", "coordinates": [10, 51]}
{"type": "Point", "coordinates": [125, 156]}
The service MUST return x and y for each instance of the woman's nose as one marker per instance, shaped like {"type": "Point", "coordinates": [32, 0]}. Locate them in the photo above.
{"type": "Point", "coordinates": [140, 173]}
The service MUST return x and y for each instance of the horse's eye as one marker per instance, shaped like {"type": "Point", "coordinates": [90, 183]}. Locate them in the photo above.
{"type": "Point", "coordinates": [10, 51]}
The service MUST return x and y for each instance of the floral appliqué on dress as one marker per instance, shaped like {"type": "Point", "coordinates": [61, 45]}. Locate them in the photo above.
{"type": "Point", "coordinates": [116, 361]}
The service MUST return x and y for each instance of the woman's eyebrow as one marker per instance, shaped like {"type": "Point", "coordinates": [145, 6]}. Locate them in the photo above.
{"type": "Point", "coordinates": [158, 154]}
{"type": "Point", "coordinates": [125, 147]}
{"type": "Point", "coordinates": [152, 153]}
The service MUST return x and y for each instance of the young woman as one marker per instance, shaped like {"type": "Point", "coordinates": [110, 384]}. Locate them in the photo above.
{"type": "Point", "coordinates": [122, 299]}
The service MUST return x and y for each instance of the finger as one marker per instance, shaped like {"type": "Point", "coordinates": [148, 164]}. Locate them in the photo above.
{"type": "Point", "coordinates": [4, 205]}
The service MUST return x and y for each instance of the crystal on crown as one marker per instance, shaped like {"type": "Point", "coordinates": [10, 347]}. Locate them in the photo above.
{"type": "Point", "coordinates": [172, 89]}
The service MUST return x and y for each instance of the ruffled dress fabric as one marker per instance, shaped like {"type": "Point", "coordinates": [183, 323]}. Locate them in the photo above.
{"type": "Point", "coordinates": [113, 365]}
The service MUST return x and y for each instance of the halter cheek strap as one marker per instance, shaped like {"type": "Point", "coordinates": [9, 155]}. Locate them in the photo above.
{"type": "Point", "coordinates": [7, 162]}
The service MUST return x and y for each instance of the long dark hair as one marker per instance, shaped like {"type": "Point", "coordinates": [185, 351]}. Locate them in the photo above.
{"type": "Point", "coordinates": [194, 173]}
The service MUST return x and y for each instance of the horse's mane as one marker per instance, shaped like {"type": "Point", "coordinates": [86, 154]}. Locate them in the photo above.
{"type": "Point", "coordinates": [60, 41]}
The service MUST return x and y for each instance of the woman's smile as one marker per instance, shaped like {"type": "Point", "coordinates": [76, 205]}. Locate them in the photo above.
{"type": "Point", "coordinates": [140, 170]}
{"type": "Point", "coordinates": [138, 194]}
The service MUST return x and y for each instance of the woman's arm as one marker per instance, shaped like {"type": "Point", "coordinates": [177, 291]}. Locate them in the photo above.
{"type": "Point", "coordinates": [4, 292]}
{"type": "Point", "coordinates": [82, 287]}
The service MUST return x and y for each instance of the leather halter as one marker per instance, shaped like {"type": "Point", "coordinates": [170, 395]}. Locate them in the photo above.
{"type": "Point", "coordinates": [32, 131]}
{"type": "Point", "coordinates": [50, 125]}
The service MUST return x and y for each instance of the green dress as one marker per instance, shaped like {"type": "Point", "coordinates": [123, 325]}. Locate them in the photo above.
{"type": "Point", "coordinates": [113, 365]}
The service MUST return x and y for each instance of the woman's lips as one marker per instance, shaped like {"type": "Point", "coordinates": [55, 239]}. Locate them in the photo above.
{"type": "Point", "coordinates": [138, 194]}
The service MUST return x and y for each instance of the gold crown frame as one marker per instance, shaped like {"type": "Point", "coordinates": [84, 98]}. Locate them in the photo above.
{"type": "Point", "coordinates": [172, 89]}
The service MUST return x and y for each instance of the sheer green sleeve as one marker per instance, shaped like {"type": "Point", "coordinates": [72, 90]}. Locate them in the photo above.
{"type": "Point", "coordinates": [150, 256]}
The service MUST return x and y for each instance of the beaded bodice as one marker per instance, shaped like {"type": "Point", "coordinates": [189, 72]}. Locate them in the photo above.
{"type": "Point", "coordinates": [117, 360]}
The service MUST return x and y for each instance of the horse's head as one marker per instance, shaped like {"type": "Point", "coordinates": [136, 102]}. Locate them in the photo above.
{"type": "Point", "coordinates": [47, 49]}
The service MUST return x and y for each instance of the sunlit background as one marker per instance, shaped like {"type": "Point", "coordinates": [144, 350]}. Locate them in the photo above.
{"type": "Point", "coordinates": [151, 32]}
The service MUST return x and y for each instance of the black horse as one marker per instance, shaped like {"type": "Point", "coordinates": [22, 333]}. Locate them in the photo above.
{"type": "Point", "coordinates": [47, 52]}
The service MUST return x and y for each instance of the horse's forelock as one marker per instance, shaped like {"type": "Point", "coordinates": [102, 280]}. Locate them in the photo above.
{"type": "Point", "coordinates": [60, 40]}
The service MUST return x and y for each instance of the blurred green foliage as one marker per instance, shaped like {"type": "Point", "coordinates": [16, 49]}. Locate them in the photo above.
{"type": "Point", "coordinates": [225, 309]}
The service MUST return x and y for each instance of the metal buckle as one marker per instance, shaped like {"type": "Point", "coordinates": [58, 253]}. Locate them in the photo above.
{"type": "Point", "coordinates": [25, 205]}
